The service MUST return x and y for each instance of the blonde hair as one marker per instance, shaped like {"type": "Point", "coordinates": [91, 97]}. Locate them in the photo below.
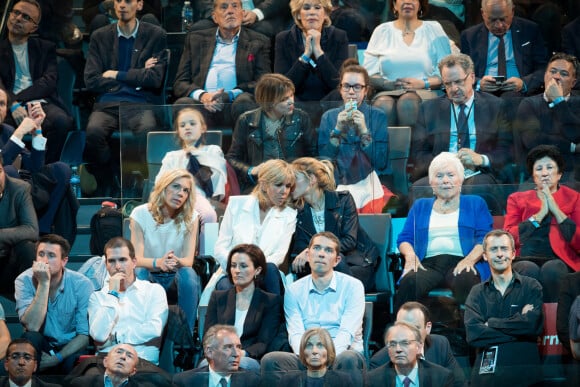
{"type": "Point", "coordinates": [157, 198]}
{"type": "Point", "coordinates": [274, 171]}
{"type": "Point", "coordinates": [325, 339]}
{"type": "Point", "coordinates": [296, 6]}
{"type": "Point", "coordinates": [199, 117]}
{"type": "Point", "coordinates": [323, 170]}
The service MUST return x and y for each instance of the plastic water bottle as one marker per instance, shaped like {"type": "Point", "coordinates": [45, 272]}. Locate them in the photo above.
{"type": "Point", "coordinates": [75, 182]}
{"type": "Point", "coordinates": [186, 16]}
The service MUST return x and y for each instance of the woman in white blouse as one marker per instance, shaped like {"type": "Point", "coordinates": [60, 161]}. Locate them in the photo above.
{"type": "Point", "coordinates": [402, 57]}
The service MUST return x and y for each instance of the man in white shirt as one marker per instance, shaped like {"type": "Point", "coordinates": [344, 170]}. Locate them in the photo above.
{"type": "Point", "coordinates": [127, 310]}
{"type": "Point", "coordinates": [326, 299]}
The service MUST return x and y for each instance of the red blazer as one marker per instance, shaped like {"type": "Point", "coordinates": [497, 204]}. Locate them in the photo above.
{"type": "Point", "coordinates": [522, 205]}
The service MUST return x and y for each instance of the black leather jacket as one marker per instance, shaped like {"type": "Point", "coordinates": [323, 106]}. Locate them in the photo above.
{"type": "Point", "coordinates": [297, 139]}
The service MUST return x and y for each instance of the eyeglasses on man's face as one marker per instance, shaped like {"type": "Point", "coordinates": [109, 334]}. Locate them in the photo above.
{"type": "Point", "coordinates": [15, 356]}
{"type": "Point", "coordinates": [26, 17]}
{"type": "Point", "coordinates": [458, 83]}
{"type": "Point", "coordinates": [403, 344]}
{"type": "Point", "coordinates": [356, 87]}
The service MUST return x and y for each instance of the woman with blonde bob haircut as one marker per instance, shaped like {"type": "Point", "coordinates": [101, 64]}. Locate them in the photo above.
{"type": "Point", "coordinates": [276, 130]}
{"type": "Point", "coordinates": [164, 232]}
{"type": "Point", "coordinates": [317, 354]}
{"type": "Point", "coordinates": [262, 218]}
{"type": "Point", "coordinates": [321, 208]}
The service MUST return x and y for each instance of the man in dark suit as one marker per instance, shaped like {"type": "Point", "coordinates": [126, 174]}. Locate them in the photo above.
{"type": "Point", "coordinates": [223, 351]}
{"type": "Point", "coordinates": [404, 344]}
{"type": "Point", "coordinates": [436, 348]}
{"type": "Point", "coordinates": [553, 117]}
{"type": "Point", "coordinates": [218, 68]}
{"type": "Point", "coordinates": [466, 122]}
{"type": "Point", "coordinates": [125, 67]}
{"type": "Point", "coordinates": [29, 73]}
{"type": "Point", "coordinates": [571, 40]}
{"type": "Point", "coordinates": [121, 370]}
{"type": "Point", "coordinates": [524, 52]}
{"type": "Point", "coordinates": [20, 364]}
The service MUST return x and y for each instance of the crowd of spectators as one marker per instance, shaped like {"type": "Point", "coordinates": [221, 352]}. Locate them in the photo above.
{"type": "Point", "coordinates": [489, 102]}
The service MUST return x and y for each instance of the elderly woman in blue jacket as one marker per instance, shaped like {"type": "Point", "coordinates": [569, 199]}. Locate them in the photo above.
{"type": "Point", "coordinates": [442, 238]}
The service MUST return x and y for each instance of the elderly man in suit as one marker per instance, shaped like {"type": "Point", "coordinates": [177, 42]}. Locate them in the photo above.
{"type": "Point", "coordinates": [469, 123]}
{"type": "Point", "coordinates": [223, 352]}
{"type": "Point", "coordinates": [405, 345]}
{"type": "Point", "coordinates": [120, 371]}
{"type": "Point", "coordinates": [436, 348]}
{"type": "Point", "coordinates": [29, 73]}
{"type": "Point", "coordinates": [520, 58]}
{"type": "Point", "coordinates": [20, 364]}
{"type": "Point", "coordinates": [221, 66]}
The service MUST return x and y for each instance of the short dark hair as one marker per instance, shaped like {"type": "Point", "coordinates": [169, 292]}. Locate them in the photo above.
{"type": "Point", "coordinates": [568, 58]}
{"type": "Point", "coordinates": [498, 233]}
{"type": "Point", "coordinates": [410, 305]}
{"type": "Point", "coordinates": [20, 340]}
{"type": "Point", "coordinates": [117, 242]}
{"type": "Point", "coordinates": [55, 239]}
{"type": "Point", "coordinates": [329, 235]}
{"type": "Point", "coordinates": [256, 256]}
{"type": "Point", "coordinates": [542, 151]}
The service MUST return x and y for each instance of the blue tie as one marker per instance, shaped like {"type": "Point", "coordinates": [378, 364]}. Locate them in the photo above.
{"type": "Point", "coordinates": [462, 128]}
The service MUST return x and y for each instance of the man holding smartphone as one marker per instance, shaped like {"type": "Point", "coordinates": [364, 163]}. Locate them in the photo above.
{"type": "Point", "coordinates": [509, 52]}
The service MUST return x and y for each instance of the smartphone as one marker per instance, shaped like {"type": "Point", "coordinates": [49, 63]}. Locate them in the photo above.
{"type": "Point", "coordinates": [499, 79]}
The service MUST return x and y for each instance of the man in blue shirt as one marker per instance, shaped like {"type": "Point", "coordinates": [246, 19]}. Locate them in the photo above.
{"type": "Point", "coordinates": [52, 303]}
{"type": "Point", "coordinates": [326, 299]}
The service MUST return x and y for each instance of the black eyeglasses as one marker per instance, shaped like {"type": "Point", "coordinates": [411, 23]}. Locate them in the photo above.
{"type": "Point", "coordinates": [459, 82]}
{"type": "Point", "coordinates": [25, 16]}
{"type": "Point", "coordinates": [357, 87]}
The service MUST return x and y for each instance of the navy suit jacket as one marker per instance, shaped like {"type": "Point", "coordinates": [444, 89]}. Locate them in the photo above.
{"type": "Point", "coordinates": [529, 50]}
{"type": "Point", "coordinates": [332, 378]}
{"type": "Point", "coordinates": [36, 382]}
{"type": "Point", "coordinates": [138, 380]}
{"type": "Point", "coordinates": [431, 134]}
{"type": "Point", "coordinates": [199, 377]}
{"type": "Point", "coordinates": [252, 60]}
{"type": "Point", "coordinates": [437, 351]}
{"type": "Point", "coordinates": [103, 55]}
{"type": "Point", "coordinates": [43, 70]}
{"type": "Point", "coordinates": [262, 321]}
{"type": "Point", "coordinates": [430, 375]}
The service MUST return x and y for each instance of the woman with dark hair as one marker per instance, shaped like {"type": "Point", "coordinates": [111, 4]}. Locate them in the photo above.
{"type": "Point", "coordinates": [317, 355]}
{"type": "Point", "coordinates": [402, 58]}
{"type": "Point", "coordinates": [276, 130]}
{"type": "Point", "coordinates": [548, 213]}
{"type": "Point", "coordinates": [321, 208]}
{"type": "Point", "coordinates": [256, 314]}
{"type": "Point", "coordinates": [355, 138]}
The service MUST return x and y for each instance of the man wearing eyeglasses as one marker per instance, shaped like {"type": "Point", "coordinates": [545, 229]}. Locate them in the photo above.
{"type": "Point", "coordinates": [29, 73]}
{"type": "Point", "coordinates": [468, 123]}
{"type": "Point", "coordinates": [406, 367]}
{"type": "Point", "coordinates": [20, 363]}
{"type": "Point", "coordinates": [553, 117]}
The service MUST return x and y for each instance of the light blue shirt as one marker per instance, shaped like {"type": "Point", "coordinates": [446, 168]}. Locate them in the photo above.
{"type": "Point", "coordinates": [492, 46]}
{"type": "Point", "coordinates": [214, 378]}
{"type": "Point", "coordinates": [454, 111]}
{"type": "Point", "coordinates": [109, 383]}
{"type": "Point", "coordinates": [222, 69]}
{"type": "Point", "coordinates": [413, 375]}
{"type": "Point", "coordinates": [66, 316]}
{"type": "Point", "coordinates": [339, 309]}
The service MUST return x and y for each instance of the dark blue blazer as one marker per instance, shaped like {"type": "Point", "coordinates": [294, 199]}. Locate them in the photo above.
{"type": "Point", "coordinates": [529, 50]}
{"type": "Point", "coordinates": [199, 377]}
{"type": "Point", "coordinates": [263, 319]}
{"type": "Point", "coordinates": [431, 134]}
{"type": "Point", "coordinates": [430, 375]}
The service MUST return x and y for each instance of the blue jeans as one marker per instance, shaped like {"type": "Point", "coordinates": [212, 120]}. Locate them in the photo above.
{"type": "Point", "coordinates": [188, 288]}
